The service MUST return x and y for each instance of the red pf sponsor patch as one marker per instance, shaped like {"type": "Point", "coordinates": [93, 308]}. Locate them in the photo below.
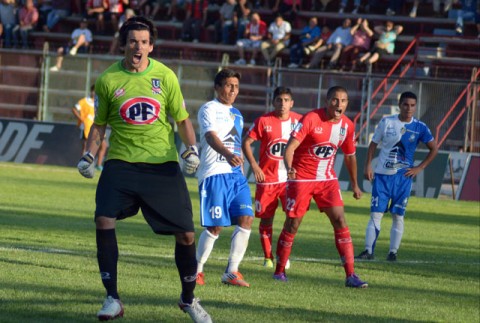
{"type": "Point", "coordinates": [140, 111]}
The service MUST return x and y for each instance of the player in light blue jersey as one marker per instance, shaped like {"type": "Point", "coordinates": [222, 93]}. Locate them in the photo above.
{"type": "Point", "coordinates": [225, 197]}
{"type": "Point", "coordinates": [397, 136]}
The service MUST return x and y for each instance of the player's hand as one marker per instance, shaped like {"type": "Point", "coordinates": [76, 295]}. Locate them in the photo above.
{"type": "Point", "coordinates": [291, 173]}
{"type": "Point", "coordinates": [191, 160]}
{"type": "Point", "coordinates": [86, 165]}
{"type": "Point", "coordinates": [357, 192]}
{"type": "Point", "coordinates": [368, 174]}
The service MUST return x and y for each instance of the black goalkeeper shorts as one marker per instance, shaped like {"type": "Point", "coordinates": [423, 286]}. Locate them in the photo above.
{"type": "Point", "coordinates": [159, 190]}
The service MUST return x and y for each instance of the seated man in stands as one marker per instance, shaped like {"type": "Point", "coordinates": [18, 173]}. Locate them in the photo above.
{"type": "Point", "coordinates": [278, 38]}
{"type": "Point", "coordinates": [255, 32]}
{"type": "Point", "coordinates": [225, 25]}
{"type": "Point", "coordinates": [96, 9]}
{"type": "Point", "coordinates": [340, 38]}
{"type": "Point", "coordinates": [309, 36]}
{"type": "Point", "coordinates": [195, 20]}
{"type": "Point", "coordinates": [362, 37]}
{"type": "Point", "coordinates": [385, 45]}
{"type": "Point", "coordinates": [80, 41]}
{"type": "Point", "coordinates": [27, 21]}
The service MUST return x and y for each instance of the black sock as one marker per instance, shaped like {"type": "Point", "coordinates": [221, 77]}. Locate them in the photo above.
{"type": "Point", "coordinates": [187, 268]}
{"type": "Point", "coordinates": [107, 255]}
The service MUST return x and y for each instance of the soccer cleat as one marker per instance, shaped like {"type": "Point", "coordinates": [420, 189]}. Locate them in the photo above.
{"type": "Point", "coordinates": [281, 277]}
{"type": "Point", "coordinates": [195, 310]}
{"type": "Point", "coordinates": [268, 263]}
{"type": "Point", "coordinates": [200, 279]}
{"type": "Point", "coordinates": [112, 308]}
{"type": "Point", "coordinates": [235, 279]}
{"type": "Point", "coordinates": [392, 256]}
{"type": "Point", "coordinates": [364, 255]}
{"type": "Point", "coordinates": [355, 282]}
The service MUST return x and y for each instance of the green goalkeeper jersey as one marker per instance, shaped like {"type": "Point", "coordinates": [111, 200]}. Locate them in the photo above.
{"type": "Point", "coordinates": [137, 106]}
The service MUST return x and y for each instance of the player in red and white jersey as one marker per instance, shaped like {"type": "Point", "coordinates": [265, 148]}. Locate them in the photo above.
{"type": "Point", "coordinates": [273, 131]}
{"type": "Point", "coordinates": [309, 160]}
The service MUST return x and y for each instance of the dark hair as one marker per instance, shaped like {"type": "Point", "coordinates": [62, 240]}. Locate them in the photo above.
{"type": "Point", "coordinates": [137, 23]}
{"type": "Point", "coordinates": [335, 89]}
{"type": "Point", "coordinates": [281, 90]}
{"type": "Point", "coordinates": [225, 74]}
{"type": "Point", "coordinates": [407, 95]}
{"type": "Point", "coordinates": [92, 87]}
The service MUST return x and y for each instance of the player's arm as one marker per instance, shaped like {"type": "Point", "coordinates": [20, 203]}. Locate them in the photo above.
{"type": "Point", "coordinates": [247, 151]}
{"type": "Point", "coordinates": [292, 145]}
{"type": "Point", "coordinates": [76, 113]}
{"type": "Point", "coordinates": [433, 151]}
{"type": "Point", "coordinates": [351, 164]}
{"type": "Point", "coordinates": [217, 145]}
{"type": "Point", "coordinates": [86, 165]}
{"type": "Point", "coordinates": [186, 132]}
{"type": "Point", "coordinates": [368, 170]}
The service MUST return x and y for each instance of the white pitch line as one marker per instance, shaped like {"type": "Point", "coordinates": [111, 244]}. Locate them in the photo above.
{"type": "Point", "coordinates": [249, 259]}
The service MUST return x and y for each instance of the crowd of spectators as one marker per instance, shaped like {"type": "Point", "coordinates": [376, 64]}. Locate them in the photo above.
{"type": "Point", "coordinates": [239, 23]}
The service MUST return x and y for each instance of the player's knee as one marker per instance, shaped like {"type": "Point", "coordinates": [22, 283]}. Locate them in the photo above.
{"type": "Point", "coordinates": [104, 223]}
{"type": "Point", "coordinates": [185, 238]}
{"type": "Point", "coordinates": [397, 218]}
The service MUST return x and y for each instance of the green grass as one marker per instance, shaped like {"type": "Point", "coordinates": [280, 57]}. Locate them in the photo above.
{"type": "Point", "coordinates": [48, 268]}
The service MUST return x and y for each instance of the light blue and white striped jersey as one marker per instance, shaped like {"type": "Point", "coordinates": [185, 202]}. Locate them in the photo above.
{"type": "Point", "coordinates": [398, 141]}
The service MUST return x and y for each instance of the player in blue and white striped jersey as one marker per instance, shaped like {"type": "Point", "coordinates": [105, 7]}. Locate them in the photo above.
{"type": "Point", "coordinates": [397, 136]}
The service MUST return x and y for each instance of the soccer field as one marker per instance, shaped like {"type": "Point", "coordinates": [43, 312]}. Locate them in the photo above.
{"type": "Point", "coordinates": [48, 267]}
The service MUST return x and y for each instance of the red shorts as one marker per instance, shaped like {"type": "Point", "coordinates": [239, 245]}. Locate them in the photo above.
{"type": "Point", "coordinates": [325, 193]}
{"type": "Point", "coordinates": [266, 199]}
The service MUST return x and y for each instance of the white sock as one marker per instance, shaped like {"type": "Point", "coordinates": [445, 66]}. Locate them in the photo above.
{"type": "Point", "coordinates": [396, 232]}
{"type": "Point", "coordinates": [204, 248]}
{"type": "Point", "coordinates": [238, 246]}
{"type": "Point", "coordinates": [373, 230]}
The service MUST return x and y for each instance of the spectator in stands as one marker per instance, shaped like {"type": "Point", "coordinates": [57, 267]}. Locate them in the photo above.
{"type": "Point", "coordinates": [44, 7]}
{"type": "Point", "coordinates": [325, 34]}
{"type": "Point", "coordinates": [80, 41]}
{"type": "Point", "coordinates": [96, 9]}
{"type": "Point", "coordinates": [60, 9]}
{"type": "Point", "coordinates": [255, 32]}
{"type": "Point", "coordinates": [8, 19]}
{"type": "Point", "coordinates": [310, 35]}
{"type": "Point", "coordinates": [385, 45]}
{"type": "Point", "coordinates": [463, 10]}
{"type": "Point", "coordinates": [287, 9]}
{"type": "Point", "coordinates": [436, 8]}
{"type": "Point", "coordinates": [362, 36]}
{"type": "Point", "coordinates": [115, 9]}
{"type": "Point", "coordinates": [343, 5]}
{"type": "Point", "coordinates": [224, 25]}
{"type": "Point", "coordinates": [339, 39]}
{"type": "Point", "coordinates": [129, 13]}
{"type": "Point", "coordinates": [195, 19]}
{"type": "Point", "coordinates": [278, 38]}
{"type": "Point", "coordinates": [27, 20]}
{"type": "Point", "coordinates": [241, 15]}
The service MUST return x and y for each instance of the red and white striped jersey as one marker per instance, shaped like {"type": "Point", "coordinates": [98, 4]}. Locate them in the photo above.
{"type": "Point", "coordinates": [320, 139]}
{"type": "Point", "coordinates": [273, 135]}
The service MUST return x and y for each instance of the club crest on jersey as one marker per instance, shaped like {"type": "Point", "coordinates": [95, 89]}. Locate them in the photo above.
{"type": "Point", "coordinates": [318, 130]}
{"type": "Point", "coordinates": [140, 111]}
{"type": "Point", "coordinates": [323, 150]}
{"type": "Point", "coordinates": [156, 86]}
{"type": "Point", "coordinates": [119, 93]}
{"type": "Point", "coordinates": [276, 149]}
{"type": "Point", "coordinates": [267, 128]}
{"type": "Point", "coordinates": [411, 138]}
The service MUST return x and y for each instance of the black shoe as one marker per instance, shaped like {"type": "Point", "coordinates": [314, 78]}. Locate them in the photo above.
{"type": "Point", "coordinates": [392, 256]}
{"type": "Point", "coordinates": [365, 256]}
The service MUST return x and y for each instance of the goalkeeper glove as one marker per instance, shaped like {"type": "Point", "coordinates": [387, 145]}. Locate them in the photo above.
{"type": "Point", "coordinates": [86, 165]}
{"type": "Point", "coordinates": [191, 160]}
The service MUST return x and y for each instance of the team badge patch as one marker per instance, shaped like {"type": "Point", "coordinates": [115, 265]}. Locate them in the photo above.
{"type": "Point", "coordinates": [156, 86]}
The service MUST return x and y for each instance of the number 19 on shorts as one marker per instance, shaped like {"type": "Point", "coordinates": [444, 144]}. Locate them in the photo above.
{"type": "Point", "coordinates": [215, 212]}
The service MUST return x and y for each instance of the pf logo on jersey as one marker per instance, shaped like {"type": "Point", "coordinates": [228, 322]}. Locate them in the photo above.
{"type": "Point", "coordinates": [276, 148]}
{"type": "Point", "coordinates": [140, 111]}
{"type": "Point", "coordinates": [323, 150]}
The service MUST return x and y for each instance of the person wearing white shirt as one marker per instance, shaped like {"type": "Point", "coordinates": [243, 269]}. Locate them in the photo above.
{"type": "Point", "coordinates": [278, 38]}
